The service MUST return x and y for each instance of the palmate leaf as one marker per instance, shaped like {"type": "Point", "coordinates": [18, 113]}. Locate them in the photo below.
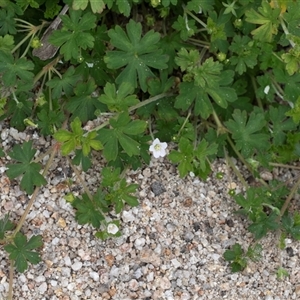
{"type": "Point", "coordinates": [20, 251]}
{"type": "Point", "coordinates": [246, 133]}
{"type": "Point", "coordinates": [199, 6]}
{"type": "Point", "coordinates": [122, 130]}
{"type": "Point", "coordinates": [118, 99]}
{"type": "Point", "coordinates": [267, 18]}
{"type": "Point", "coordinates": [64, 85]}
{"type": "Point", "coordinates": [97, 6]}
{"type": "Point", "coordinates": [124, 6]}
{"type": "Point", "coordinates": [74, 34]}
{"type": "Point", "coordinates": [15, 70]}
{"type": "Point", "coordinates": [83, 105]}
{"type": "Point", "coordinates": [281, 124]}
{"type": "Point", "coordinates": [25, 168]}
{"type": "Point", "coordinates": [137, 54]}
{"type": "Point", "coordinates": [265, 223]}
{"type": "Point", "coordinates": [87, 211]}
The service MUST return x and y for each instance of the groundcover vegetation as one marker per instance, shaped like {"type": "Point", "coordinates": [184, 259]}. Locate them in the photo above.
{"type": "Point", "coordinates": [217, 79]}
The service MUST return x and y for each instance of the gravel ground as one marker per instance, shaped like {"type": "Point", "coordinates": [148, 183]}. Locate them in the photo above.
{"type": "Point", "coordinates": [171, 247]}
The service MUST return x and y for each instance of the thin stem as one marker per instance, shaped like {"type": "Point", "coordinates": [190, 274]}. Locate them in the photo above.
{"type": "Point", "coordinates": [34, 195]}
{"type": "Point", "coordinates": [21, 42]}
{"type": "Point", "coordinates": [80, 179]}
{"type": "Point", "coordinates": [289, 198]}
{"type": "Point", "coordinates": [284, 166]}
{"type": "Point", "coordinates": [11, 280]}
{"type": "Point", "coordinates": [255, 89]}
{"type": "Point", "coordinates": [194, 17]}
{"type": "Point", "coordinates": [235, 170]}
{"type": "Point", "coordinates": [134, 107]}
{"type": "Point", "coordinates": [150, 129]}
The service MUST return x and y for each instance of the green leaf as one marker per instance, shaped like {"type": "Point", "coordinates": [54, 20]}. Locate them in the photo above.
{"type": "Point", "coordinates": [254, 253]}
{"type": "Point", "coordinates": [5, 225]}
{"type": "Point", "coordinates": [64, 85]}
{"type": "Point", "coordinates": [236, 255]}
{"type": "Point", "coordinates": [6, 43]}
{"type": "Point", "coordinates": [246, 53]}
{"type": "Point", "coordinates": [263, 225]}
{"type": "Point", "coordinates": [280, 124]}
{"type": "Point", "coordinates": [186, 27]}
{"type": "Point", "coordinates": [7, 22]}
{"type": "Point", "coordinates": [48, 120]}
{"type": "Point", "coordinates": [245, 132]}
{"type": "Point", "coordinates": [290, 224]}
{"type": "Point", "coordinates": [122, 126]}
{"type": "Point", "coordinates": [14, 70]}
{"type": "Point", "coordinates": [25, 168]}
{"type": "Point", "coordinates": [76, 139]}
{"type": "Point", "coordinates": [21, 252]}
{"type": "Point", "coordinates": [267, 18]}
{"type": "Point", "coordinates": [79, 158]}
{"type": "Point", "coordinates": [137, 54]}
{"type": "Point", "coordinates": [184, 156]}
{"type": "Point", "coordinates": [118, 99]}
{"type": "Point", "coordinates": [90, 142]}
{"type": "Point", "coordinates": [235, 252]}
{"type": "Point", "coordinates": [75, 34]}
{"type": "Point", "coordinates": [97, 6]}
{"type": "Point", "coordinates": [84, 104]}
{"type": "Point", "coordinates": [87, 211]}
{"type": "Point", "coordinates": [203, 151]}
{"type": "Point", "coordinates": [199, 6]}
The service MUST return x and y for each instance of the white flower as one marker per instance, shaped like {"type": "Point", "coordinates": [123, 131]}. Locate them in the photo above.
{"type": "Point", "coordinates": [158, 149]}
{"type": "Point", "coordinates": [267, 89]}
{"type": "Point", "coordinates": [112, 228]}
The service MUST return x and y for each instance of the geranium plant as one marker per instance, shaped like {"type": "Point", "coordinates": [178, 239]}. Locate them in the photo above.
{"type": "Point", "coordinates": [213, 79]}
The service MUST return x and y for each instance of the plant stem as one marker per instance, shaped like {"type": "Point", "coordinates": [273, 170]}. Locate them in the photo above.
{"type": "Point", "coordinates": [255, 89]}
{"type": "Point", "coordinates": [11, 280]}
{"type": "Point", "coordinates": [235, 170]}
{"type": "Point", "coordinates": [289, 198]}
{"type": "Point", "coordinates": [134, 107]}
{"type": "Point", "coordinates": [284, 166]}
{"type": "Point", "coordinates": [80, 179]}
{"type": "Point", "coordinates": [34, 195]}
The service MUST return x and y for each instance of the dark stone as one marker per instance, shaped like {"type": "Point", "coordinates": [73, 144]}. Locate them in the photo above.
{"type": "Point", "coordinates": [196, 226]}
{"type": "Point", "coordinates": [290, 251]}
{"type": "Point", "coordinates": [157, 188]}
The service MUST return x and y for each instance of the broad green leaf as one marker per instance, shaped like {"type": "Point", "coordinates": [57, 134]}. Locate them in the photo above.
{"type": "Point", "coordinates": [201, 6]}
{"type": "Point", "coordinates": [48, 120]}
{"type": "Point", "coordinates": [246, 133]}
{"type": "Point", "coordinates": [20, 251]}
{"type": "Point", "coordinates": [184, 156]}
{"type": "Point", "coordinates": [74, 34]}
{"type": "Point", "coordinates": [185, 26]}
{"type": "Point", "coordinates": [14, 70]}
{"type": "Point", "coordinates": [130, 146]}
{"type": "Point", "coordinates": [267, 18]}
{"type": "Point", "coordinates": [235, 252]}
{"type": "Point", "coordinates": [25, 168]}
{"type": "Point", "coordinates": [64, 85]}
{"type": "Point", "coordinates": [136, 54]}
{"type": "Point", "coordinates": [118, 99]}
{"type": "Point", "coordinates": [263, 225]}
{"type": "Point", "coordinates": [280, 124]}
{"type": "Point", "coordinates": [80, 4]}
{"type": "Point", "coordinates": [6, 43]}
{"type": "Point", "coordinates": [7, 22]}
{"type": "Point", "coordinates": [204, 151]}
{"type": "Point", "coordinates": [87, 211]}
